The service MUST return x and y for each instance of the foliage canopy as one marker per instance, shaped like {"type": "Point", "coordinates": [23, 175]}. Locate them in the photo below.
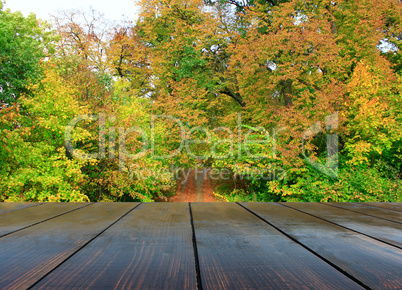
{"type": "Point", "coordinates": [258, 86]}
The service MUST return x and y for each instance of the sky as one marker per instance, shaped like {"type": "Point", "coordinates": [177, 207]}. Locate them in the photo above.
{"type": "Point", "coordinates": [113, 10]}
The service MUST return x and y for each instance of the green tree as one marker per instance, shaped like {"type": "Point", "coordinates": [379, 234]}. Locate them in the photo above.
{"type": "Point", "coordinates": [24, 42]}
{"type": "Point", "coordinates": [34, 164]}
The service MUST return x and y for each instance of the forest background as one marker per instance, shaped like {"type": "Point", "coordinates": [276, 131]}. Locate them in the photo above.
{"type": "Point", "coordinates": [296, 100]}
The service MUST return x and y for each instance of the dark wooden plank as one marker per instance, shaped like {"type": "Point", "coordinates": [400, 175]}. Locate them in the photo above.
{"type": "Point", "coordinates": [388, 205]}
{"type": "Point", "coordinates": [27, 255]}
{"type": "Point", "coordinates": [386, 231]}
{"type": "Point", "coordinates": [16, 220]}
{"type": "Point", "coordinates": [371, 210]}
{"type": "Point", "coordinates": [237, 250]}
{"type": "Point", "coordinates": [150, 248]}
{"type": "Point", "coordinates": [375, 264]}
{"type": "Point", "coordinates": [11, 206]}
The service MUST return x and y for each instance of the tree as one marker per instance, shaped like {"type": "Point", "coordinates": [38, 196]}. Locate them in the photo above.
{"type": "Point", "coordinates": [35, 165]}
{"type": "Point", "coordinates": [24, 43]}
{"type": "Point", "coordinates": [288, 68]}
{"type": "Point", "coordinates": [81, 53]}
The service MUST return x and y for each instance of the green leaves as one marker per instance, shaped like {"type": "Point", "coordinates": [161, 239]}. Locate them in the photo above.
{"type": "Point", "coordinates": [285, 66]}
{"type": "Point", "coordinates": [23, 44]}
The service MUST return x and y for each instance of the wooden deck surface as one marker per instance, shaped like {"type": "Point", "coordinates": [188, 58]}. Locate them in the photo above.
{"type": "Point", "coordinates": [201, 246]}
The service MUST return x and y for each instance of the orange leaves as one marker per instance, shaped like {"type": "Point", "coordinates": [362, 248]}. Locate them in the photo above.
{"type": "Point", "coordinates": [9, 114]}
{"type": "Point", "coordinates": [286, 67]}
{"type": "Point", "coordinates": [129, 56]}
{"type": "Point", "coordinates": [83, 34]}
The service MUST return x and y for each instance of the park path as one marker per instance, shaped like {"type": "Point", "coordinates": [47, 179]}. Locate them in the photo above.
{"type": "Point", "coordinates": [195, 187]}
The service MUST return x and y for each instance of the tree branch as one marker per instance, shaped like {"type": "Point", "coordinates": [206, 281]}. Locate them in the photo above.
{"type": "Point", "coordinates": [236, 96]}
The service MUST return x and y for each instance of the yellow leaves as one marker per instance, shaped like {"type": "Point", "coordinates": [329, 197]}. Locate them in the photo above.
{"type": "Point", "coordinates": [359, 151]}
{"type": "Point", "coordinates": [363, 82]}
{"type": "Point", "coordinates": [73, 196]}
{"type": "Point", "coordinates": [221, 197]}
{"type": "Point", "coordinates": [274, 186]}
{"type": "Point", "coordinates": [54, 98]}
{"type": "Point", "coordinates": [370, 119]}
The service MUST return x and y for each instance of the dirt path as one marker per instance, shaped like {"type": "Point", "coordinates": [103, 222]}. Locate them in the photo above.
{"type": "Point", "coordinates": [195, 187]}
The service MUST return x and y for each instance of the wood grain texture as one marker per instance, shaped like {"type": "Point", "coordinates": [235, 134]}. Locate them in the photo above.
{"type": "Point", "coordinates": [388, 205]}
{"type": "Point", "coordinates": [11, 206]}
{"type": "Point", "coordinates": [16, 220]}
{"type": "Point", "coordinates": [27, 255]}
{"type": "Point", "coordinates": [375, 264]}
{"type": "Point", "coordinates": [237, 250]}
{"type": "Point", "coordinates": [371, 210]}
{"type": "Point", "coordinates": [150, 248]}
{"type": "Point", "coordinates": [383, 230]}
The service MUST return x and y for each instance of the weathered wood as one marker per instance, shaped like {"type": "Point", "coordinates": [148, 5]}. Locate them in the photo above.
{"type": "Point", "coordinates": [388, 205]}
{"type": "Point", "coordinates": [386, 231]}
{"type": "Point", "coordinates": [368, 209]}
{"type": "Point", "coordinates": [237, 250]}
{"type": "Point", "coordinates": [150, 248]}
{"type": "Point", "coordinates": [11, 206]}
{"type": "Point", "coordinates": [109, 246]}
{"type": "Point", "coordinates": [29, 254]}
{"type": "Point", "coordinates": [375, 264]}
{"type": "Point", "coordinates": [15, 220]}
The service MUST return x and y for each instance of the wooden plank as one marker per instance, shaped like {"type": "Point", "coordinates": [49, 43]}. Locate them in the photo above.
{"type": "Point", "coordinates": [237, 250]}
{"type": "Point", "coordinates": [29, 254]}
{"type": "Point", "coordinates": [11, 206]}
{"type": "Point", "coordinates": [388, 205]}
{"type": "Point", "coordinates": [15, 220]}
{"type": "Point", "coordinates": [375, 264]}
{"type": "Point", "coordinates": [150, 248]}
{"type": "Point", "coordinates": [371, 210]}
{"type": "Point", "coordinates": [386, 231]}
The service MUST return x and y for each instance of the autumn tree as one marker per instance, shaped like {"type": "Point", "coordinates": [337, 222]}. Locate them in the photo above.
{"type": "Point", "coordinates": [294, 65]}
{"type": "Point", "coordinates": [81, 53]}
{"type": "Point", "coordinates": [241, 85]}
{"type": "Point", "coordinates": [35, 163]}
